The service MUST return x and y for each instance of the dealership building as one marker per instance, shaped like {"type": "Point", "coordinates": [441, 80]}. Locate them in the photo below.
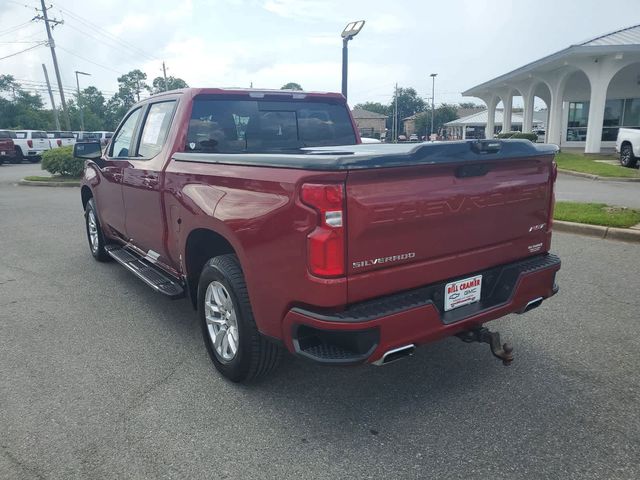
{"type": "Point", "coordinates": [590, 89]}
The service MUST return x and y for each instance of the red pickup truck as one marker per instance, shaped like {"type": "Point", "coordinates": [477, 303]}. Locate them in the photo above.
{"type": "Point", "coordinates": [285, 231]}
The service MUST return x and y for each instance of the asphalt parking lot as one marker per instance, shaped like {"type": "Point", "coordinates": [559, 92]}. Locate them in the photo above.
{"type": "Point", "coordinates": [102, 378]}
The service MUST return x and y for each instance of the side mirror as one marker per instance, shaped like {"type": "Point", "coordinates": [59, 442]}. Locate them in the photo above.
{"type": "Point", "coordinates": [87, 150]}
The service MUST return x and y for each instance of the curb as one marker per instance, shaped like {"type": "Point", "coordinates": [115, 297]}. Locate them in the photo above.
{"type": "Point", "coordinates": [610, 233]}
{"type": "Point", "coordinates": [597, 177]}
{"type": "Point", "coordinates": [29, 183]}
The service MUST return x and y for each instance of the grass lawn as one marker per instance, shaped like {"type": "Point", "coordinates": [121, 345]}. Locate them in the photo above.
{"type": "Point", "coordinates": [596, 214]}
{"type": "Point", "coordinates": [581, 163]}
{"type": "Point", "coordinates": [55, 178]}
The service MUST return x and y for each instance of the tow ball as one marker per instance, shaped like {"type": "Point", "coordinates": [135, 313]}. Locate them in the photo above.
{"type": "Point", "coordinates": [483, 335]}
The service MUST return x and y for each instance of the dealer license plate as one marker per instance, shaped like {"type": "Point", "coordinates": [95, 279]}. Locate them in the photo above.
{"type": "Point", "coordinates": [3, 153]}
{"type": "Point", "coordinates": [462, 292]}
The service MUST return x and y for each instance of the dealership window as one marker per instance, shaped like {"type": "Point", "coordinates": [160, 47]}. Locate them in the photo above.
{"type": "Point", "coordinates": [578, 118]}
{"type": "Point", "coordinates": [617, 113]}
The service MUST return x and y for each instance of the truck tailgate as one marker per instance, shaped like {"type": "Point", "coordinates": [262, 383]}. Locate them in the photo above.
{"type": "Point", "coordinates": [419, 224]}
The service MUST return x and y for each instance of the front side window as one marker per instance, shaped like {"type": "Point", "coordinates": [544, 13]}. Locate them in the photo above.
{"type": "Point", "coordinates": [264, 126]}
{"type": "Point", "coordinates": [121, 145]}
{"type": "Point", "coordinates": [156, 127]}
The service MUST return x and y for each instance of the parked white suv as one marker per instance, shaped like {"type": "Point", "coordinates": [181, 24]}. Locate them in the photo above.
{"type": "Point", "coordinates": [103, 136]}
{"type": "Point", "coordinates": [628, 146]}
{"type": "Point", "coordinates": [61, 139]}
{"type": "Point", "coordinates": [30, 144]}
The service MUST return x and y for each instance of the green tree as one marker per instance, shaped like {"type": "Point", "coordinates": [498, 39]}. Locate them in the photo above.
{"type": "Point", "coordinates": [469, 105]}
{"type": "Point", "coordinates": [409, 103]}
{"type": "Point", "coordinates": [376, 107]}
{"type": "Point", "coordinates": [291, 86]}
{"type": "Point", "coordinates": [441, 115]}
{"type": "Point", "coordinates": [21, 109]}
{"type": "Point", "coordinates": [131, 85]}
{"type": "Point", "coordinates": [173, 83]}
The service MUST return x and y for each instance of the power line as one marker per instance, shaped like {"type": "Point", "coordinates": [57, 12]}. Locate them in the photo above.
{"type": "Point", "coordinates": [22, 51]}
{"type": "Point", "coordinates": [15, 28]}
{"type": "Point", "coordinates": [132, 55]}
{"type": "Point", "coordinates": [90, 61]}
{"type": "Point", "coordinates": [101, 31]}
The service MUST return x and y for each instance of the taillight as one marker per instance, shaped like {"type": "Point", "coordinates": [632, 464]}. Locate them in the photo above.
{"type": "Point", "coordinates": [59, 142]}
{"type": "Point", "coordinates": [30, 143]}
{"type": "Point", "coordinates": [552, 200]}
{"type": "Point", "coordinates": [325, 245]}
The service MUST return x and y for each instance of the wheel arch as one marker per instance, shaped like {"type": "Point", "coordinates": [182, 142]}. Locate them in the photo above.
{"type": "Point", "coordinates": [201, 245]}
{"type": "Point", "coordinates": [86, 194]}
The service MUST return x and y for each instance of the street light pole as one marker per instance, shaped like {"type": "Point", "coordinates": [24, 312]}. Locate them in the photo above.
{"type": "Point", "coordinates": [80, 102]}
{"type": "Point", "coordinates": [350, 31]}
{"type": "Point", "coordinates": [433, 102]}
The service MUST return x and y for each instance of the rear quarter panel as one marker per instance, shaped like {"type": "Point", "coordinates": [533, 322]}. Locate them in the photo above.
{"type": "Point", "coordinates": [257, 210]}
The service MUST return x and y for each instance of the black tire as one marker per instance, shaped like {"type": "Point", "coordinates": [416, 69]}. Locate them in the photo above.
{"type": "Point", "coordinates": [97, 251]}
{"type": "Point", "coordinates": [19, 156]}
{"type": "Point", "coordinates": [34, 159]}
{"type": "Point", "coordinates": [255, 355]}
{"type": "Point", "coordinates": [627, 159]}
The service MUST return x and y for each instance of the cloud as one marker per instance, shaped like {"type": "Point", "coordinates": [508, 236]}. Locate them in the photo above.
{"type": "Point", "coordinates": [299, 9]}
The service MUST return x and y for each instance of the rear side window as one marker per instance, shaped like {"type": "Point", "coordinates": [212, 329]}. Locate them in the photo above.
{"type": "Point", "coordinates": [263, 126]}
{"type": "Point", "coordinates": [66, 135]}
{"type": "Point", "coordinates": [39, 135]}
{"type": "Point", "coordinates": [156, 126]}
{"type": "Point", "coordinates": [21, 135]}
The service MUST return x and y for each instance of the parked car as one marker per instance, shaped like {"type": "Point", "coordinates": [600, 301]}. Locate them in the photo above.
{"type": "Point", "coordinates": [370, 140]}
{"type": "Point", "coordinates": [284, 232]}
{"type": "Point", "coordinates": [628, 146]}
{"type": "Point", "coordinates": [104, 137]}
{"type": "Point", "coordinates": [85, 136]}
{"type": "Point", "coordinates": [7, 147]}
{"type": "Point", "coordinates": [61, 139]}
{"type": "Point", "coordinates": [31, 144]}
{"type": "Point", "coordinates": [414, 137]}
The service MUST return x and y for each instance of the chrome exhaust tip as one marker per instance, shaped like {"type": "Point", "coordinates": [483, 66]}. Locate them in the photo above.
{"type": "Point", "coordinates": [536, 302]}
{"type": "Point", "coordinates": [396, 354]}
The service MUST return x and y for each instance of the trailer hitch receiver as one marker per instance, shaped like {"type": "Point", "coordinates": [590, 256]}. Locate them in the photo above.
{"type": "Point", "coordinates": [483, 335]}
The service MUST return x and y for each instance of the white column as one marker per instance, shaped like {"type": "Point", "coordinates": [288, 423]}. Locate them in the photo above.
{"type": "Point", "coordinates": [556, 88]}
{"type": "Point", "coordinates": [596, 113]}
{"type": "Point", "coordinates": [527, 114]}
{"type": "Point", "coordinates": [491, 117]}
{"type": "Point", "coordinates": [507, 102]}
{"type": "Point", "coordinates": [464, 132]}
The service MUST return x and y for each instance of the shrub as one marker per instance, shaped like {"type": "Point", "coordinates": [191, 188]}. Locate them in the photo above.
{"type": "Point", "coordinates": [60, 161]}
{"type": "Point", "coordinates": [506, 135]}
{"type": "Point", "coordinates": [528, 136]}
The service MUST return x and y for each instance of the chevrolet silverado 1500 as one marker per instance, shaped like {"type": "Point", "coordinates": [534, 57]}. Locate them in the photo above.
{"type": "Point", "coordinates": [285, 231]}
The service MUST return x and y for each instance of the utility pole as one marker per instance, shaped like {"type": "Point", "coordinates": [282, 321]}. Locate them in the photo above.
{"type": "Point", "coordinates": [80, 100]}
{"type": "Point", "coordinates": [164, 72]}
{"type": "Point", "coordinates": [395, 116]}
{"type": "Point", "coordinates": [52, 46]}
{"type": "Point", "coordinates": [433, 101]}
{"type": "Point", "coordinates": [53, 103]}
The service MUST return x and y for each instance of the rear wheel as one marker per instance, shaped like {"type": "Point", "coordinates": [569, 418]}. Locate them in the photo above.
{"type": "Point", "coordinates": [94, 233]}
{"type": "Point", "coordinates": [237, 349]}
{"type": "Point", "coordinates": [19, 156]}
{"type": "Point", "coordinates": [627, 158]}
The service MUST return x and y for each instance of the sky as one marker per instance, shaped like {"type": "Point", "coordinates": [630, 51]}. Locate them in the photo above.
{"type": "Point", "coordinates": [267, 43]}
